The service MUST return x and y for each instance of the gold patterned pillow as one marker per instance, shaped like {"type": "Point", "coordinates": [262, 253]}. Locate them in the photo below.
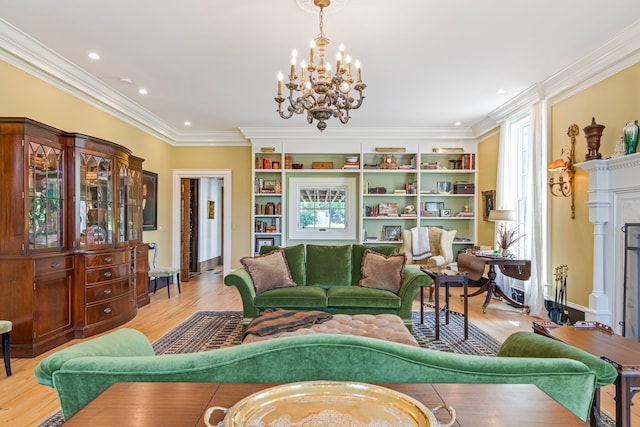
{"type": "Point", "coordinates": [381, 271]}
{"type": "Point", "coordinates": [269, 271]}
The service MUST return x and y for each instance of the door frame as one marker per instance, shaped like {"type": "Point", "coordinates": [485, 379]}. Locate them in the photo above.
{"type": "Point", "coordinates": [225, 175]}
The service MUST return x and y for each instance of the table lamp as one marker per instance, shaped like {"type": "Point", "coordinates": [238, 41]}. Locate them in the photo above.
{"type": "Point", "coordinates": [506, 236]}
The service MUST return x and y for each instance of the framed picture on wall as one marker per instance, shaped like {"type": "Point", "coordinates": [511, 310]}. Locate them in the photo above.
{"type": "Point", "coordinates": [149, 200]}
{"type": "Point", "coordinates": [211, 209]}
{"type": "Point", "coordinates": [488, 203]}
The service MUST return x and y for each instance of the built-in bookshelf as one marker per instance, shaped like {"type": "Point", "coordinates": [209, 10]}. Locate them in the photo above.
{"type": "Point", "coordinates": [419, 184]}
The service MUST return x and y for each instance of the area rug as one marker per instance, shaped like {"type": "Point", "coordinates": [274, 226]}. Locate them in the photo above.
{"type": "Point", "coordinates": [209, 330]}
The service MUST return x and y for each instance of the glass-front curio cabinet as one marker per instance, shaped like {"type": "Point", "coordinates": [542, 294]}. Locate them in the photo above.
{"type": "Point", "coordinates": [71, 235]}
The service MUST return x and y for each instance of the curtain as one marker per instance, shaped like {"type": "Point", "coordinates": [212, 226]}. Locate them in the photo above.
{"type": "Point", "coordinates": [529, 200]}
{"type": "Point", "coordinates": [537, 225]}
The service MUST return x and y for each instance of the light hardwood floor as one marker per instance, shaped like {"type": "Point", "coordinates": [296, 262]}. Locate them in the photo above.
{"type": "Point", "coordinates": [25, 403]}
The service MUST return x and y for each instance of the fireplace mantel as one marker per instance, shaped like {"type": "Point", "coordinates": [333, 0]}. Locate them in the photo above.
{"type": "Point", "coordinates": [614, 199]}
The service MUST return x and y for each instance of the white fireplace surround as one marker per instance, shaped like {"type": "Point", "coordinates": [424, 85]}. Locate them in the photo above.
{"type": "Point", "coordinates": [614, 199]}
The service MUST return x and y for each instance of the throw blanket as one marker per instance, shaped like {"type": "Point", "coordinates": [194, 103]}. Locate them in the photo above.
{"type": "Point", "coordinates": [279, 320]}
{"type": "Point", "coordinates": [420, 243]}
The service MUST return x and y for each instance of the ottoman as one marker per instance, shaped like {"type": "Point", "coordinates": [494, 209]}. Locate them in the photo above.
{"type": "Point", "coordinates": [387, 327]}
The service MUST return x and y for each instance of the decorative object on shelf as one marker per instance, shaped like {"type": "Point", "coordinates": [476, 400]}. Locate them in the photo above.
{"type": "Point", "coordinates": [322, 95]}
{"type": "Point", "coordinates": [507, 236]}
{"type": "Point", "coordinates": [630, 133]}
{"type": "Point", "coordinates": [444, 187]}
{"type": "Point", "coordinates": [389, 162]}
{"type": "Point", "coordinates": [391, 232]}
{"type": "Point", "coordinates": [593, 133]}
{"type": "Point", "coordinates": [620, 149]}
{"type": "Point", "coordinates": [391, 149]}
{"type": "Point", "coordinates": [267, 149]}
{"type": "Point", "coordinates": [488, 201]}
{"type": "Point", "coordinates": [445, 212]}
{"type": "Point", "coordinates": [321, 165]}
{"type": "Point", "coordinates": [297, 165]}
{"type": "Point", "coordinates": [564, 170]}
{"type": "Point", "coordinates": [448, 150]}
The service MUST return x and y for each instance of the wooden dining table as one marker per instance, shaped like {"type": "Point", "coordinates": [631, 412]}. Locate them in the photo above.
{"type": "Point", "coordinates": [184, 404]}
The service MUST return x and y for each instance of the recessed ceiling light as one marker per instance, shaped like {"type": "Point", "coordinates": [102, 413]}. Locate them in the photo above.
{"type": "Point", "coordinates": [94, 55]}
{"type": "Point", "coordinates": [142, 91]}
{"type": "Point", "coordinates": [501, 91]}
{"type": "Point", "coordinates": [187, 123]}
{"type": "Point", "coordinates": [457, 124]}
{"type": "Point", "coordinates": [127, 80]}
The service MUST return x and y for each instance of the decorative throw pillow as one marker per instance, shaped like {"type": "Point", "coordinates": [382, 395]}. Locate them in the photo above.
{"type": "Point", "coordinates": [381, 271]}
{"type": "Point", "coordinates": [269, 271]}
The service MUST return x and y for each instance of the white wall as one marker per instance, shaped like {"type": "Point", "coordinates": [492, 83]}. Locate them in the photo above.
{"type": "Point", "coordinates": [210, 242]}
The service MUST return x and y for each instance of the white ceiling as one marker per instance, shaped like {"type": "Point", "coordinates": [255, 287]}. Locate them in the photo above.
{"type": "Point", "coordinates": [427, 63]}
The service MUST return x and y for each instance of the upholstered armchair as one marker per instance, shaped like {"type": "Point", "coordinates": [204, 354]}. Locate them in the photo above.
{"type": "Point", "coordinates": [440, 244]}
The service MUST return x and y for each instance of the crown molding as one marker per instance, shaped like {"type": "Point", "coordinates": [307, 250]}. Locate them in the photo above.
{"type": "Point", "coordinates": [618, 53]}
{"type": "Point", "coordinates": [358, 134]}
{"type": "Point", "coordinates": [217, 138]}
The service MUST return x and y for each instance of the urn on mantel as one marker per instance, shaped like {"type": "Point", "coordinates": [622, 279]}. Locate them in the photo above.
{"type": "Point", "coordinates": [593, 133]}
{"type": "Point", "coordinates": [630, 133]}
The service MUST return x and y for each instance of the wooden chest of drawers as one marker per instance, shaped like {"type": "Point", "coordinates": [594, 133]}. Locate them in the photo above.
{"type": "Point", "coordinates": [105, 291]}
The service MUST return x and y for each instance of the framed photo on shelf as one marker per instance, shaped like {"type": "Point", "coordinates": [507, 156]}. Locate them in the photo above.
{"type": "Point", "coordinates": [388, 209]}
{"type": "Point", "coordinates": [488, 203]}
{"type": "Point", "coordinates": [149, 200]}
{"type": "Point", "coordinates": [264, 241]}
{"type": "Point", "coordinates": [444, 187]}
{"type": "Point", "coordinates": [433, 208]}
{"type": "Point", "coordinates": [445, 212]}
{"type": "Point", "coordinates": [391, 232]}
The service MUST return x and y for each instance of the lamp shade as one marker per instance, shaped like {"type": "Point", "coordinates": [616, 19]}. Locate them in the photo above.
{"type": "Point", "coordinates": [502, 215]}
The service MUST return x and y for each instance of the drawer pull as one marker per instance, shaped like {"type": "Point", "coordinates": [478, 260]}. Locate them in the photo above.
{"type": "Point", "coordinates": [55, 264]}
{"type": "Point", "coordinates": [107, 310]}
{"type": "Point", "coordinates": [107, 291]}
{"type": "Point", "coordinates": [107, 259]}
{"type": "Point", "coordinates": [107, 274]}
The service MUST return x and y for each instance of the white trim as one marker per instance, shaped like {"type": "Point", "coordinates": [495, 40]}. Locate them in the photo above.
{"type": "Point", "coordinates": [351, 203]}
{"type": "Point", "coordinates": [225, 174]}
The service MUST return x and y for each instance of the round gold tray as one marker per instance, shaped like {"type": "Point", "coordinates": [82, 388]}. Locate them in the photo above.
{"type": "Point", "coordinates": [328, 403]}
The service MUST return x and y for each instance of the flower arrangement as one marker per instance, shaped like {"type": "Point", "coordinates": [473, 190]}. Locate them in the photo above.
{"type": "Point", "coordinates": [507, 237]}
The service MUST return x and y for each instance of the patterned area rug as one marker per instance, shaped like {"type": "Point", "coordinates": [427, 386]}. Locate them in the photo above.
{"type": "Point", "coordinates": [209, 330]}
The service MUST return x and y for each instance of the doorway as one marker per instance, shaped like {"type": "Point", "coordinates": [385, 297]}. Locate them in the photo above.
{"type": "Point", "coordinates": [195, 216]}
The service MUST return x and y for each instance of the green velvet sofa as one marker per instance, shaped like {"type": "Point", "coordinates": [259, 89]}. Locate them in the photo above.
{"type": "Point", "coordinates": [327, 279]}
{"type": "Point", "coordinates": [81, 372]}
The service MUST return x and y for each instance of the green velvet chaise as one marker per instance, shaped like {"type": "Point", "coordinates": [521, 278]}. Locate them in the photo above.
{"type": "Point", "coordinates": [81, 372]}
{"type": "Point", "coordinates": [326, 278]}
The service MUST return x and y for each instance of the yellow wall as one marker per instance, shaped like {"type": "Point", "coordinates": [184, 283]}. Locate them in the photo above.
{"type": "Point", "coordinates": [612, 102]}
{"type": "Point", "coordinates": [24, 95]}
{"type": "Point", "coordinates": [238, 159]}
{"type": "Point", "coordinates": [487, 176]}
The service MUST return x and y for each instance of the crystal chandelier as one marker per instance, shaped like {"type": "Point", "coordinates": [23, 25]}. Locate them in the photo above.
{"type": "Point", "coordinates": [320, 94]}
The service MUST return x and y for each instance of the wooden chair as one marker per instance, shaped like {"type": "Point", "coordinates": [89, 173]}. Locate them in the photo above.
{"type": "Point", "coordinates": [167, 272]}
{"type": "Point", "coordinates": [5, 330]}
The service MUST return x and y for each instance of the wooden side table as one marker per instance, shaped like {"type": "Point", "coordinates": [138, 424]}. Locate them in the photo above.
{"type": "Point", "coordinates": [442, 276]}
{"type": "Point", "coordinates": [623, 353]}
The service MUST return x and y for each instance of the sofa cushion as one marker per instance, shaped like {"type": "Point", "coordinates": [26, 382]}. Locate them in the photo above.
{"type": "Point", "coordinates": [357, 251]}
{"type": "Point", "coordinates": [328, 266]}
{"type": "Point", "coordinates": [382, 271]}
{"type": "Point", "coordinates": [268, 271]}
{"type": "Point", "coordinates": [358, 297]}
{"type": "Point", "coordinates": [298, 297]}
{"type": "Point", "coordinates": [295, 261]}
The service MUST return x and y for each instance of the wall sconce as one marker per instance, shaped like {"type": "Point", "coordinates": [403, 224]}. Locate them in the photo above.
{"type": "Point", "coordinates": [562, 172]}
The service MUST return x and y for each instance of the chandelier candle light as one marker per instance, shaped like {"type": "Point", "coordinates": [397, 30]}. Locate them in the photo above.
{"type": "Point", "coordinates": [318, 93]}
